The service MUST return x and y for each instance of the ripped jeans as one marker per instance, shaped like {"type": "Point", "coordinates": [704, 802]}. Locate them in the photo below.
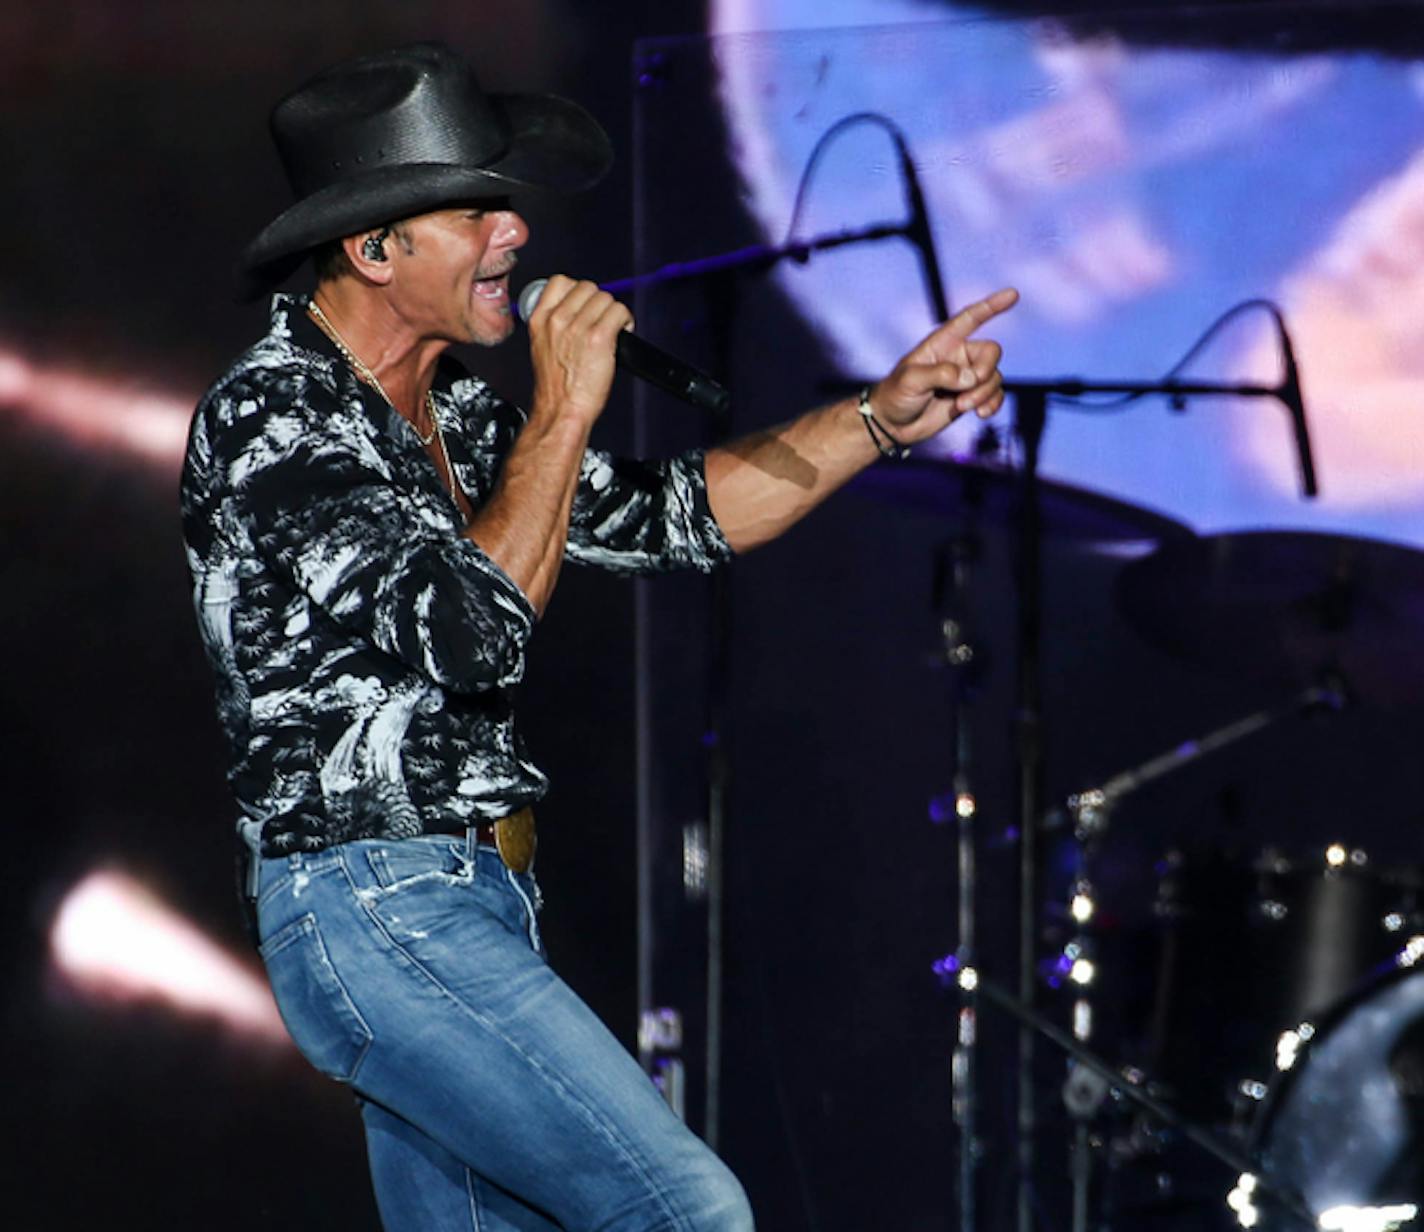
{"type": "Point", "coordinates": [493, 1098]}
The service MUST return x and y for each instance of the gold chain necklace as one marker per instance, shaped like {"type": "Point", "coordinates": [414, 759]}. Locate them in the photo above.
{"type": "Point", "coordinates": [436, 432]}
{"type": "Point", "coordinates": [350, 356]}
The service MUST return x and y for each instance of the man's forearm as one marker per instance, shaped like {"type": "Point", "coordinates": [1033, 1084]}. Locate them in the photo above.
{"type": "Point", "coordinates": [525, 525]}
{"type": "Point", "coordinates": [760, 485]}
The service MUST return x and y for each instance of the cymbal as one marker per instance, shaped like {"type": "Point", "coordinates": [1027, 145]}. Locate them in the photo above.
{"type": "Point", "coordinates": [989, 491]}
{"type": "Point", "coordinates": [1294, 608]}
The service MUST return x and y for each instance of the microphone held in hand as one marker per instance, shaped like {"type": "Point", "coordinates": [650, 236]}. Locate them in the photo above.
{"type": "Point", "coordinates": [648, 362]}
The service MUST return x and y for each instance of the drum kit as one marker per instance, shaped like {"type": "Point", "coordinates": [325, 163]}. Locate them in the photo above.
{"type": "Point", "coordinates": [1284, 1028]}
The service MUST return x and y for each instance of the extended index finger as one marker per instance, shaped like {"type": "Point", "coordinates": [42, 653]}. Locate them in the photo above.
{"type": "Point", "coordinates": [967, 320]}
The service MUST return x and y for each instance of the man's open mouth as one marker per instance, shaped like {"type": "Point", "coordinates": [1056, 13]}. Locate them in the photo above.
{"type": "Point", "coordinates": [493, 288]}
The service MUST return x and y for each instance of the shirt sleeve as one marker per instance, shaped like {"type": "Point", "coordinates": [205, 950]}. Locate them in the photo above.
{"type": "Point", "coordinates": [316, 496]}
{"type": "Point", "coordinates": [644, 517]}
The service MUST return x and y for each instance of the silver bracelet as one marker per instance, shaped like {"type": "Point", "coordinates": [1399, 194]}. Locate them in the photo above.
{"type": "Point", "coordinates": [880, 436]}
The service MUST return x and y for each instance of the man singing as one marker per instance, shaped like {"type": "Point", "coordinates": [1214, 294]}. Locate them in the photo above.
{"type": "Point", "coordinates": [373, 533]}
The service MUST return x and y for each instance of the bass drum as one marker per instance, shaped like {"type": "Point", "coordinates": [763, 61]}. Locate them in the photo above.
{"type": "Point", "coordinates": [1246, 949]}
{"type": "Point", "coordinates": [1344, 1126]}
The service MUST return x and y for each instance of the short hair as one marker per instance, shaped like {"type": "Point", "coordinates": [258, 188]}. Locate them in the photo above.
{"type": "Point", "coordinates": [331, 262]}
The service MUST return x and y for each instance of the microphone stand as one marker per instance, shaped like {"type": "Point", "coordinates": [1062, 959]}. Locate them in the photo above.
{"type": "Point", "coordinates": [721, 297]}
{"type": "Point", "coordinates": [1030, 421]}
{"type": "Point", "coordinates": [953, 588]}
{"type": "Point", "coordinates": [918, 229]}
{"type": "Point", "coordinates": [757, 258]}
{"type": "Point", "coordinates": [1287, 393]}
{"type": "Point", "coordinates": [753, 258]}
{"type": "Point", "coordinates": [718, 273]}
{"type": "Point", "coordinates": [1092, 808]}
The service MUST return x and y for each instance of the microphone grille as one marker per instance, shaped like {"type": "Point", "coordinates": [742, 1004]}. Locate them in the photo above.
{"type": "Point", "coordinates": [529, 298]}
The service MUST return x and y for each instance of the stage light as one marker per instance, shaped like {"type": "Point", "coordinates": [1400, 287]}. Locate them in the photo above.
{"type": "Point", "coordinates": [1082, 1020]}
{"type": "Point", "coordinates": [968, 1025]}
{"type": "Point", "coordinates": [1239, 1200]}
{"type": "Point", "coordinates": [660, 1029]}
{"type": "Point", "coordinates": [103, 414]}
{"type": "Point", "coordinates": [1367, 1218]}
{"type": "Point", "coordinates": [1289, 1043]}
{"type": "Point", "coordinates": [113, 940]}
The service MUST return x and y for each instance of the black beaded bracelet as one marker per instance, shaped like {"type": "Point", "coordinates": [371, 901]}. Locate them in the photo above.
{"type": "Point", "coordinates": [880, 436]}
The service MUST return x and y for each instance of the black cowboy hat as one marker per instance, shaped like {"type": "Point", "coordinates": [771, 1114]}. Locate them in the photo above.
{"type": "Point", "coordinates": [392, 135]}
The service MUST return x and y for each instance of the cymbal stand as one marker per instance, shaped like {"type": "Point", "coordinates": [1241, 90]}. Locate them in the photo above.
{"type": "Point", "coordinates": [1092, 808]}
{"type": "Point", "coordinates": [954, 567]}
{"type": "Point", "coordinates": [1030, 419]}
{"type": "Point", "coordinates": [1082, 1093]}
{"type": "Point", "coordinates": [1091, 811]}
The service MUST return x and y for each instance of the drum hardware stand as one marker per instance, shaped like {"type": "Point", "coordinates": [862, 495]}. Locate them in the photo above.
{"type": "Point", "coordinates": [1254, 1181]}
{"type": "Point", "coordinates": [1083, 1093]}
{"type": "Point", "coordinates": [1091, 809]}
{"type": "Point", "coordinates": [1030, 420]}
{"type": "Point", "coordinates": [954, 567]}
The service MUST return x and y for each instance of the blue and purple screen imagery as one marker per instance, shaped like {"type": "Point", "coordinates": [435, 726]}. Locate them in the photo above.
{"type": "Point", "coordinates": [1133, 193]}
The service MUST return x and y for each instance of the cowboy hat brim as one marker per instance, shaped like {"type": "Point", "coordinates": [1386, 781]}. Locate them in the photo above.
{"type": "Point", "coordinates": [554, 146]}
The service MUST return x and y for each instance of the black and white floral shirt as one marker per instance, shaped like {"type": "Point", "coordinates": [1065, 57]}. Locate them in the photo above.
{"type": "Point", "coordinates": [364, 647]}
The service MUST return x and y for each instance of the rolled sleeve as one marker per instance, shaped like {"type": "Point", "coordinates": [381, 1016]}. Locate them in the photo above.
{"type": "Point", "coordinates": [645, 517]}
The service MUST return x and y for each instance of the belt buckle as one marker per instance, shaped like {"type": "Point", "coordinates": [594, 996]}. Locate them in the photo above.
{"type": "Point", "coordinates": [515, 840]}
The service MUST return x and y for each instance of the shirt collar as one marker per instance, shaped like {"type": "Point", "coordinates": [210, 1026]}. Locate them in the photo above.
{"type": "Point", "coordinates": [289, 318]}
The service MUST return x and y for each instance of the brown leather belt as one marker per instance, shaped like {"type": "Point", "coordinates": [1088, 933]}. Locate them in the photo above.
{"type": "Point", "coordinates": [513, 837]}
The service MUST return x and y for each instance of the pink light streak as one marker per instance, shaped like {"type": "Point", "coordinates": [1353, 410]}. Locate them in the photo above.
{"type": "Point", "coordinates": [113, 941]}
{"type": "Point", "coordinates": [96, 413]}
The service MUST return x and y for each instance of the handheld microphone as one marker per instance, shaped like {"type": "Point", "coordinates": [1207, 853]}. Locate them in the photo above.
{"type": "Point", "coordinates": [648, 362]}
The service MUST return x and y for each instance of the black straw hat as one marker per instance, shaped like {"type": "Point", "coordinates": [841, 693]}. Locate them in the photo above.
{"type": "Point", "coordinates": [395, 134]}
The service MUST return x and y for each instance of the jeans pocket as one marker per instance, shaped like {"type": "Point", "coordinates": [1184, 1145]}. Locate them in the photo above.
{"type": "Point", "coordinates": [319, 1013]}
{"type": "Point", "coordinates": [397, 865]}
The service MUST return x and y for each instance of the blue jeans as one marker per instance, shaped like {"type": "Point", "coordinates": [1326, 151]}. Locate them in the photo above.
{"type": "Point", "coordinates": [493, 1098]}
